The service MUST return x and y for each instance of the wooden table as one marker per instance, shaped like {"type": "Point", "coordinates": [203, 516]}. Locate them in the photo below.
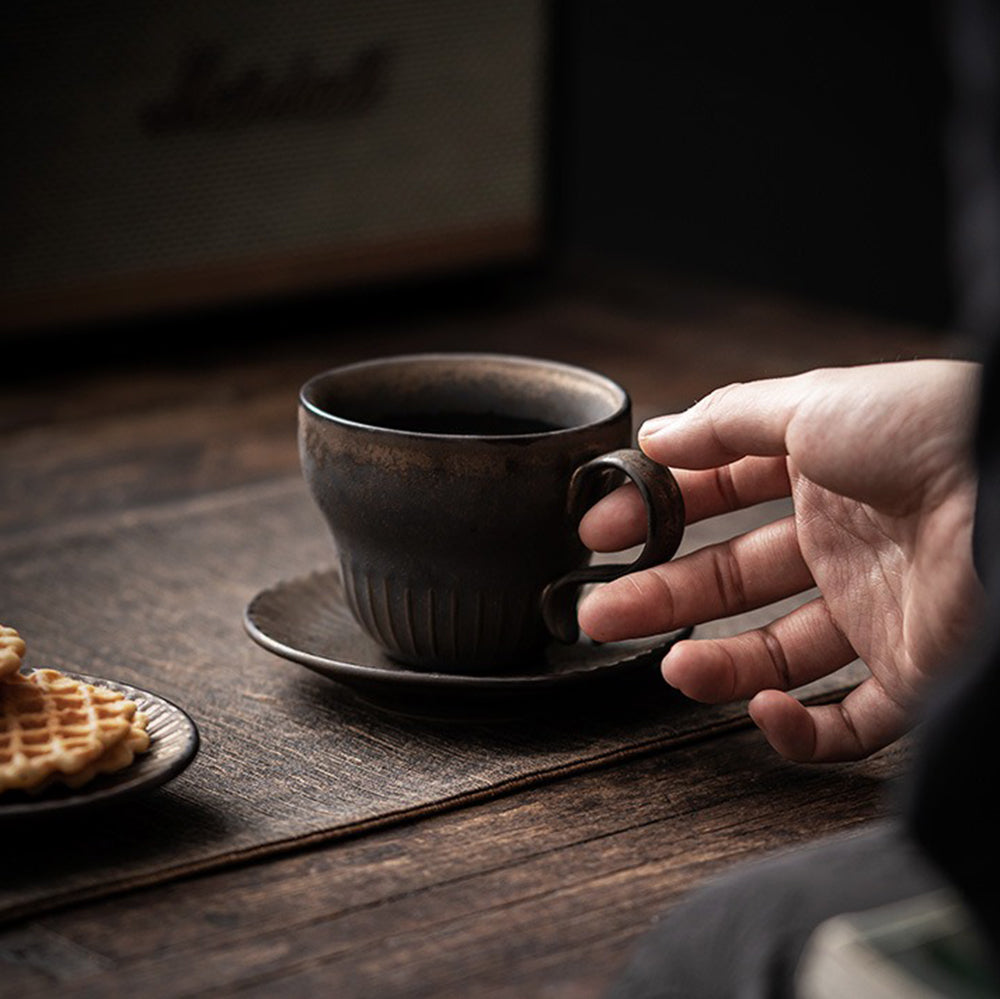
{"type": "Point", "coordinates": [538, 892]}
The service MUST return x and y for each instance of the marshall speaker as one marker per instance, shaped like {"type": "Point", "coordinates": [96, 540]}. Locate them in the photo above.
{"type": "Point", "coordinates": [169, 154]}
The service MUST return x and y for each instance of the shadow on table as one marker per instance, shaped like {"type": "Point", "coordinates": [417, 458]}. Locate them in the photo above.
{"type": "Point", "coordinates": [141, 835]}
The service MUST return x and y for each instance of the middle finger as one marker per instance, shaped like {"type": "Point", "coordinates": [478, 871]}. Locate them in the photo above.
{"type": "Point", "coordinates": [741, 574]}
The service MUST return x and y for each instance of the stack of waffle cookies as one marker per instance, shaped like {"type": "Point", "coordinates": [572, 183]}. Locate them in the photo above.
{"type": "Point", "coordinates": [55, 729]}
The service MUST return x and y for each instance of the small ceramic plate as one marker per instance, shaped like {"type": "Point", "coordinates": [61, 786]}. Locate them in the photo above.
{"type": "Point", "coordinates": [173, 743]}
{"type": "Point", "coordinates": [306, 620]}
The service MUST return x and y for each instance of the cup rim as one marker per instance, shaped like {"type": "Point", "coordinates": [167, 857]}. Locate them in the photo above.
{"type": "Point", "coordinates": [623, 406]}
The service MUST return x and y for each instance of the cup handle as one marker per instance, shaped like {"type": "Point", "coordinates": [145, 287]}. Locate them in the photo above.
{"type": "Point", "coordinates": [664, 528]}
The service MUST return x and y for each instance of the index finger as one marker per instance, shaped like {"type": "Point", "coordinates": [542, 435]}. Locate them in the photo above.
{"type": "Point", "coordinates": [732, 422]}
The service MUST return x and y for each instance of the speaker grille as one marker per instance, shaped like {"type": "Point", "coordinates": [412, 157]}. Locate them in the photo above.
{"type": "Point", "coordinates": [145, 138]}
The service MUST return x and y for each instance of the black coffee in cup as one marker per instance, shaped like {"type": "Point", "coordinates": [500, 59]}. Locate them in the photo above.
{"type": "Point", "coordinates": [470, 422]}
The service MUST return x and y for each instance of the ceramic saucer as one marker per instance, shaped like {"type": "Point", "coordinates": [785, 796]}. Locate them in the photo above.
{"type": "Point", "coordinates": [173, 744]}
{"type": "Point", "coordinates": [306, 620]}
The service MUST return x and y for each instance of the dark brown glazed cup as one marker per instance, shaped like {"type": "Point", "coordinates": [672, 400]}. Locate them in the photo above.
{"type": "Point", "coordinates": [453, 485]}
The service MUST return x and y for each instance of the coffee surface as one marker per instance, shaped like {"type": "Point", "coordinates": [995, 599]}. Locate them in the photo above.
{"type": "Point", "coordinates": [479, 424]}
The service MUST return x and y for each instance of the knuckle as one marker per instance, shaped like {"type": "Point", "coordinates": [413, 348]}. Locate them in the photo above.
{"type": "Point", "coordinates": [654, 590]}
{"type": "Point", "coordinates": [718, 397]}
{"type": "Point", "coordinates": [857, 748]}
{"type": "Point", "coordinates": [732, 672]}
{"type": "Point", "coordinates": [775, 653]}
{"type": "Point", "coordinates": [729, 579]}
{"type": "Point", "coordinates": [716, 409]}
{"type": "Point", "coordinates": [725, 485]}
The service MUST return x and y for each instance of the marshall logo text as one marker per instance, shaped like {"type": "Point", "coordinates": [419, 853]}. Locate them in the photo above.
{"type": "Point", "coordinates": [205, 96]}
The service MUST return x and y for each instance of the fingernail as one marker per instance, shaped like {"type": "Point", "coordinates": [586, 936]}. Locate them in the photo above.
{"type": "Point", "coordinates": [657, 425]}
{"type": "Point", "coordinates": [664, 668]}
{"type": "Point", "coordinates": [755, 717]}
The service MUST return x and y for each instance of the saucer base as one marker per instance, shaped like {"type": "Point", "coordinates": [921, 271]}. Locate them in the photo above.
{"type": "Point", "coordinates": [306, 620]}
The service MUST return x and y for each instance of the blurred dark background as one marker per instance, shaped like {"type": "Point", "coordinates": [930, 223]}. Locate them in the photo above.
{"type": "Point", "coordinates": [790, 147]}
{"type": "Point", "coordinates": [796, 146]}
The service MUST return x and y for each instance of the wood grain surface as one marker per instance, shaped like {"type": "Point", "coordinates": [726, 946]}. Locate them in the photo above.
{"type": "Point", "coordinates": [538, 892]}
{"type": "Point", "coordinates": [155, 598]}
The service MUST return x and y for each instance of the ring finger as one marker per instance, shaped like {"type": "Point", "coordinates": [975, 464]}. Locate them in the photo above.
{"type": "Point", "coordinates": [797, 648]}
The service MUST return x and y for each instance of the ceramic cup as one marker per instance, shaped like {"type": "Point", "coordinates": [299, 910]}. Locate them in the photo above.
{"type": "Point", "coordinates": [453, 485]}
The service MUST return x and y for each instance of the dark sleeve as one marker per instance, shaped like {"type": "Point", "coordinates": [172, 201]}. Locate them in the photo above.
{"type": "Point", "coordinates": [950, 805]}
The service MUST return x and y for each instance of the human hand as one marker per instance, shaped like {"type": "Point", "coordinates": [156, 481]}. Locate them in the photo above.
{"type": "Point", "coordinates": [877, 462]}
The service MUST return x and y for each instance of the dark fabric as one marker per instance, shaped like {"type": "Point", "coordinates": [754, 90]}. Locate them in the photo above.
{"type": "Point", "coordinates": [742, 935]}
{"type": "Point", "coordinates": [950, 807]}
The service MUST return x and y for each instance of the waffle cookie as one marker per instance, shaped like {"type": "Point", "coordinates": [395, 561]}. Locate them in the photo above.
{"type": "Point", "coordinates": [53, 727]}
{"type": "Point", "coordinates": [11, 651]}
{"type": "Point", "coordinates": [114, 758]}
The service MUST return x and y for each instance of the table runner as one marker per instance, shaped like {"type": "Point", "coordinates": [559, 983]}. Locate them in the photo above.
{"type": "Point", "coordinates": [155, 597]}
